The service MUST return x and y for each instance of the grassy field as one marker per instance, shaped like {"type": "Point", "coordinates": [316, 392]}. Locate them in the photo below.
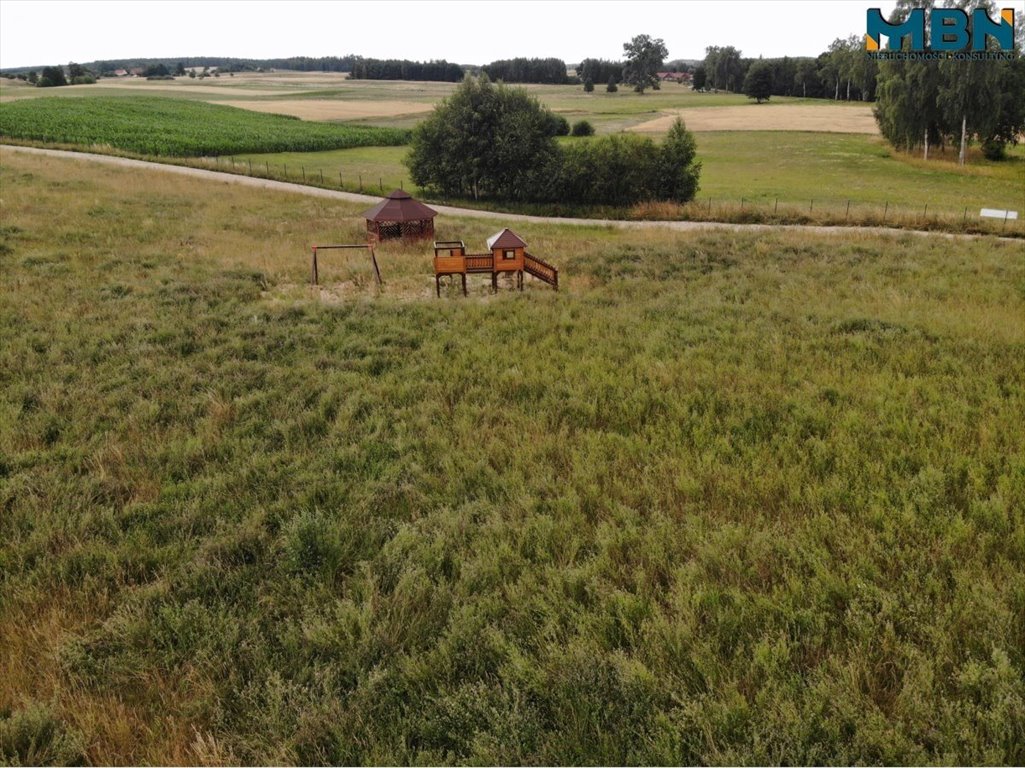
{"type": "Point", "coordinates": [813, 175]}
{"type": "Point", "coordinates": [177, 128]}
{"type": "Point", "coordinates": [723, 499]}
{"type": "Point", "coordinates": [329, 93]}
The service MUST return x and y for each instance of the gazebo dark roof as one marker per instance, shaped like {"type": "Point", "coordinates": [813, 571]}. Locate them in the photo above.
{"type": "Point", "coordinates": [399, 206]}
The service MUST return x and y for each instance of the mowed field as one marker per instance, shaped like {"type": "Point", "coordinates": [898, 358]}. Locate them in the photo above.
{"type": "Point", "coordinates": [328, 96]}
{"type": "Point", "coordinates": [724, 498]}
{"type": "Point", "coordinates": [830, 118]}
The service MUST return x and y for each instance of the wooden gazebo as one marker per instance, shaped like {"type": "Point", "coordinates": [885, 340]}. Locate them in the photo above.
{"type": "Point", "coordinates": [399, 215]}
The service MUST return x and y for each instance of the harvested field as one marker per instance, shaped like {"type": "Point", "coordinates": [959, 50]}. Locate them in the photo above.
{"type": "Point", "coordinates": [178, 86]}
{"type": "Point", "coordinates": [332, 109]}
{"type": "Point", "coordinates": [832, 118]}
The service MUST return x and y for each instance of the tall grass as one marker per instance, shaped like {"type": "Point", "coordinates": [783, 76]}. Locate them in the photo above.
{"type": "Point", "coordinates": [723, 498]}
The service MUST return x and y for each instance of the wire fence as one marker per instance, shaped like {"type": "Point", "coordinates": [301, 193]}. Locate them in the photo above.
{"type": "Point", "coordinates": [834, 212]}
{"type": "Point", "coordinates": [755, 210]}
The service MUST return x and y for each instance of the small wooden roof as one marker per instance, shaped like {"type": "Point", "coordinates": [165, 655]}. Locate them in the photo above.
{"type": "Point", "coordinates": [399, 206]}
{"type": "Point", "coordinates": [505, 239]}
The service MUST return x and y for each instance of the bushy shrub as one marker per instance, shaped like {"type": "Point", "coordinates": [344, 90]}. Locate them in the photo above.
{"type": "Point", "coordinates": [612, 87]}
{"type": "Point", "coordinates": [52, 77]}
{"type": "Point", "coordinates": [619, 170]}
{"type": "Point", "coordinates": [559, 125]}
{"type": "Point", "coordinates": [588, 85]}
{"type": "Point", "coordinates": [583, 128]}
{"type": "Point", "coordinates": [679, 169]}
{"type": "Point", "coordinates": [994, 149]}
{"type": "Point", "coordinates": [35, 736]}
{"type": "Point", "coordinates": [623, 169]}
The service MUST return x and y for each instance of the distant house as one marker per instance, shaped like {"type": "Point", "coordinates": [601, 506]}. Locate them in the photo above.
{"type": "Point", "coordinates": [674, 77]}
{"type": "Point", "coordinates": [120, 73]}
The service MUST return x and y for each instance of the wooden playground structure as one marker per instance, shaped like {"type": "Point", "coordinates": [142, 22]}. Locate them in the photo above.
{"type": "Point", "coordinates": [507, 253]}
{"type": "Point", "coordinates": [314, 266]}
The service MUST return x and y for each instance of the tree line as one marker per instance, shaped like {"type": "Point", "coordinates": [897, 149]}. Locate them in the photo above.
{"type": "Point", "coordinates": [223, 63]}
{"type": "Point", "coordinates": [927, 103]}
{"type": "Point", "coordinates": [600, 71]}
{"type": "Point", "coordinates": [921, 103]}
{"type": "Point", "coordinates": [841, 72]}
{"type": "Point", "coordinates": [522, 70]}
{"type": "Point", "coordinates": [404, 69]}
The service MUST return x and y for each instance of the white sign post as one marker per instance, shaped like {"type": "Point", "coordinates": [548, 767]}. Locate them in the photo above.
{"type": "Point", "coordinates": [996, 213]}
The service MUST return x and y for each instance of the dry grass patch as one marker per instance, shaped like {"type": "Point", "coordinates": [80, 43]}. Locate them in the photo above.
{"type": "Point", "coordinates": [769, 117]}
{"type": "Point", "coordinates": [177, 86]}
{"type": "Point", "coordinates": [330, 109]}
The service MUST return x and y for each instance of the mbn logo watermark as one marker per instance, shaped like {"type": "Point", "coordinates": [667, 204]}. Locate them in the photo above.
{"type": "Point", "coordinates": [952, 34]}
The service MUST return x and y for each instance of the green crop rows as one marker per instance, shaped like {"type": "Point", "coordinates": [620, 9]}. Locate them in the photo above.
{"type": "Point", "coordinates": [179, 128]}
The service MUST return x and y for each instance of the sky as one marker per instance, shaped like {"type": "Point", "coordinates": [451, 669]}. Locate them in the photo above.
{"type": "Point", "coordinates": [44, 32]}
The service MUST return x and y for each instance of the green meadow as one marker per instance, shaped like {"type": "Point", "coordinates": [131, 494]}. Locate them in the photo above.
{"type": "Point", "coordinates": [803, 171]}
{"type": "Point", "coordinates": [726, 498]}
{"type": "Point", "coordinates": [788, 176]}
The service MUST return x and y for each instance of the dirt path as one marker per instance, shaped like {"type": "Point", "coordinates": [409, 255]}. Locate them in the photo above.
{"type": "Point", "coordinates": [447, 210]}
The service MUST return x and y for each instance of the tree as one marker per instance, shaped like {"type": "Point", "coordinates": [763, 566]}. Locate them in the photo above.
{"type": "Point", "coordinates": [679, 170]}
{"type": "Point", "coordinates": [906, 110]}
{"type": "Point", "coordinates": [612, 87]}
{"type": "Point", "coordinates": [644, 57]}
{"type": "Point", "coordinates": [970, 99]}
{"type": "Point", "coordinates": [33, 77]}
{"type": "Point", "coordinates": [52, 77]}
{"type": "Point", "coordinates": [79, 75]}
{"type": "Point", "coordinates": [485, 140]}
{"type": "Point", "coordinates": [833, 66]}
{"type": "Point", "coordinates": [588, 85]}
{"type": "Point", "coordinates": [557, 125]}
{"type": "Point", "coordinates": [806, 75]}
{"type": "Point", "coordinates": [923, 102]}
{"type": "Point", "coordinates": [723, 67]}
{"type": "Point", "coordinates": [699, 79]}
{"type": "Point", "coordinates": [582, 128]}
{"type": "Point", "coordinates": [179, 70]}
{"type": "Point", "coordinates": [1010, 123]}
{"type": "Point", "coordinates": [758, 83]}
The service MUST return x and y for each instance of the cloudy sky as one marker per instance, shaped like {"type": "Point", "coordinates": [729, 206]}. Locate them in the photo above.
{"type": "Point", "coordinates": [39, 32]}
